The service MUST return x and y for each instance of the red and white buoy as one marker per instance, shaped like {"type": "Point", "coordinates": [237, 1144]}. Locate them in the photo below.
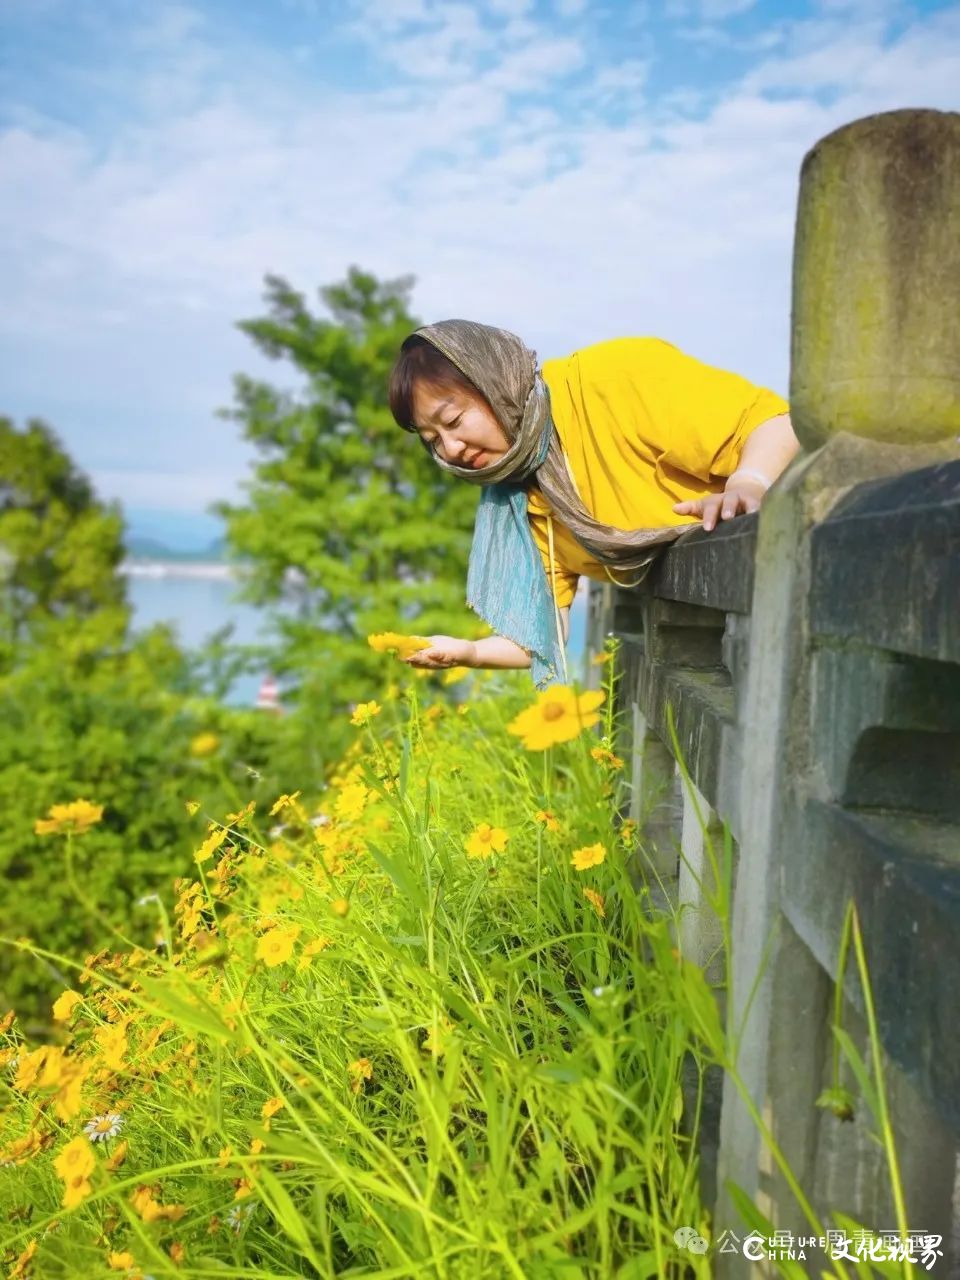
{"type": "Point", "coordinates": [268, 697]}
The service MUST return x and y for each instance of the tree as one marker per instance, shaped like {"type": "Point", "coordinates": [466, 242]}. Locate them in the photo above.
{"type": "Point", "coordinates": [348, 523]}
{"type": "Point", "coordinates": [59, 551]}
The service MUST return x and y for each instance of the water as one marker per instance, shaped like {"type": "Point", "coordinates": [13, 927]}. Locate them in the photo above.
{"type": "Point", "coordinates": [196, 603]}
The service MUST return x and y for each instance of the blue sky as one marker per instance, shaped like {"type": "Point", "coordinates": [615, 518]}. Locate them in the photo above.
{"type": "Point", "coordinates": [571, 170]}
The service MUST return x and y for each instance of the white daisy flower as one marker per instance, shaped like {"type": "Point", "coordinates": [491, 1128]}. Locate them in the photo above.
{"type": "Point", "coordinates": [102, 1127]}
{"type": "Point", "coordinates": [239, 1216]}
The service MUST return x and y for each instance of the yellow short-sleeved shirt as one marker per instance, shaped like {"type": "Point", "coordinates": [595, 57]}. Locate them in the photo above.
{"type": "Point", "coordinates": [643, 426]}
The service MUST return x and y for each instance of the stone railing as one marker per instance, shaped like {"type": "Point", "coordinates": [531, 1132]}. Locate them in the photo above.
{"type": "Point", "coordinates": [810, 659]}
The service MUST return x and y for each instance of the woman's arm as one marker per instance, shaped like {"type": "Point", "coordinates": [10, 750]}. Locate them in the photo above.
{"type": "Point", "coordinates": [492, 651]}
{"type": "Point", "coordinates": [766, 453]}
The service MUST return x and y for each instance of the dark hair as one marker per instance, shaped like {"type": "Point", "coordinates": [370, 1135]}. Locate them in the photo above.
{"type": "Point", "coordinates": [420, 361]}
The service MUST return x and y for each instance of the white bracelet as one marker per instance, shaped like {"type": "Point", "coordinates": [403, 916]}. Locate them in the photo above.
{"type": "Point", "coordinates": [756, 475]}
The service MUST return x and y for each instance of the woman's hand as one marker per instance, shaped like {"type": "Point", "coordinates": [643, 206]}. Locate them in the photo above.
{"type": "Point", "coordinates": [739, 497]}
{"type": "Point", "coordinates": [445, 651]}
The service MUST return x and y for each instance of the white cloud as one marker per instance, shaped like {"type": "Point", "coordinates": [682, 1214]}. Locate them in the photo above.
{"type": "Point", "coordinates": [506, 190]}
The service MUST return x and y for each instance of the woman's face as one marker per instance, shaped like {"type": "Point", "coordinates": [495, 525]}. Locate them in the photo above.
{"type": "Point", "coordinates": [459, 425]}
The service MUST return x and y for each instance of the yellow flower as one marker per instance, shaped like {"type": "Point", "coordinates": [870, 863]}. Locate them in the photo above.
{"type": "Point", "coordinates": [283, 802]}
{"type": "Point", "coordinates": [75, 1191]}
{"type": "Point", "coordinates": [20, 1150]}
{"type": "Point", "coordinates": [603, 756]}
{"type": "Point", "coordinates": [276, 946]}
{"type": "Point", "coordinates": [239, 818]}
{"type": "Point", "coordinates": [120, 1261]}
{"type": "Point", "coordinates": [65, 1004]}
{"type": "Point", "coordinates": [151, 1210]}
{"type": "Point", "coordinates": [359, 1071]}
{"type": "Point", "coordinates": [256, 1146]}
{"type": "Point", "coordinates": [547, 818]}
{"type": "Point", "coordinates": [203, 745]}
{"type": "Point", "coordinates": [351, 800]}
{"type": "Point", "coordinates": [118, 1157]}
{"type": "Point", "coordinates": [212, 843]}
{"type": "Point", "coordinates": [453, 674]}
{"type": "Point", "coordinates": [485, 840]}
{"type": "Point", "coordinates": [77, 816]}
{"type": "Point", "coordinates": [402, 646]}
{"type": "Point", "coordinates": [28, 1068]}
{"type": "Point", "coordinates": [591, 855]}
{"type": "Point", "coordinates": [223, 1157]}
{"type": "Point", "coordinates": [596, 901]}
{"type": "Point", "coordinates": [310, 950]}
{"type": "Point", "coordinates": [271, 1107]}
{"type": "Point", "coordinates": [22, 1265]}
{"type": "Point", "coordinates": [76, 1159]}
{"type": "Point", "coordinates": [558, 715]}
{"type": "Point", "coordinates": [364, 712]}
{"type": "Point", "coordinates": [340, 906]}
{"type": "Point", "coordinates": [438, 1038]}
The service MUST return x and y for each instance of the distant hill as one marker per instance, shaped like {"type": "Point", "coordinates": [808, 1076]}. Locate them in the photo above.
{"type": "Point", "coordinates": [143, 548]}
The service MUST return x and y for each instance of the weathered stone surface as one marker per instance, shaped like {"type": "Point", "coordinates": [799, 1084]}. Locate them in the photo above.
{"type": "Point", "coordinates": [713, 569]}
{"type": "Point", "coordinates": [886, 564]}
{"type": "Point", "coordinates": [903, 872]}
{"type": "Point", "coordinates": [876, 278]}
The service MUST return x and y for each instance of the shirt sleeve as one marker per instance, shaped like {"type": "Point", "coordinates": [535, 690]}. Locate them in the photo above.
{"type": "Point", "coordinates": [705, 413]}
{"type": "Point", "coordinates": [564, 579]}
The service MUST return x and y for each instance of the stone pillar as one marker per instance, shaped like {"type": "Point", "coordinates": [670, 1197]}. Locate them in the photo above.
{"type": "Point", "coordinates": [875, 355]}
{"type": "Point", "coordinates": [876, 282]}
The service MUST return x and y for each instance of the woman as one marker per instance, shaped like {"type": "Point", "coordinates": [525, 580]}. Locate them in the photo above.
{"type": "Point", "coordinates": [589, 466]}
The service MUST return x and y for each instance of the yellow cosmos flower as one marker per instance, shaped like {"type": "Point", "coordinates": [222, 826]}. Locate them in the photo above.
{"type": "Point", "coordinates": [558, 715]}
{"type": "Point", "coordinates": [77, 816]}
{"type": "Point", "coordinates": [591, 855]}
{"type": "Point", "coordinates": [485, 840]}
{"type": "Point", "coordinates": [28, 1068]}
{"type": "Point", "coordinates": [351, 801]}
{"type": "Point", "coordinates": [151, 1210]}
{"type": "Point", "coordinates": [283, 802]}
{"type": "Point", "coordinates": [276, 946]}
{"type": "Point", "coordinates": [359, 1071]}
{"type": "Point", "coordinates": [75, 1191]}
{"type": "Point", "coordinates": [118, 1157]}
{"type": "Point", "coordinates": [402, 646]}
{"type": "Point", "coordinates": [120, 1261]}
{"type": "Point", "coordinates": [310, 950]}
{"type": "Point", "coordinates": [364, 712]}
{"type": "Point", "coordinates": [545, 817]}
{"type": "Point", "coordinates": [65, 1004]}
{"type": "Point", "coordinates": [203, 745]}
{"type": "Point", "coordinates": [453, 674]}
{"type": "Point", "coordinates": [271, 1107]}
{"type": "Point", "coordinates": [212, 843]}
{"type": "Point", "coordinates": [256, 1146]}
{"type": "Point", "coordinates": [596, 901]}
{"type": "Point", "coordinates": [76, 1159]}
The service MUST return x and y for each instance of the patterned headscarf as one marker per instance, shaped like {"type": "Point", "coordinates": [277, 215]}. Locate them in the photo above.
{"type": "Point", "coordinates": [506, 582]}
